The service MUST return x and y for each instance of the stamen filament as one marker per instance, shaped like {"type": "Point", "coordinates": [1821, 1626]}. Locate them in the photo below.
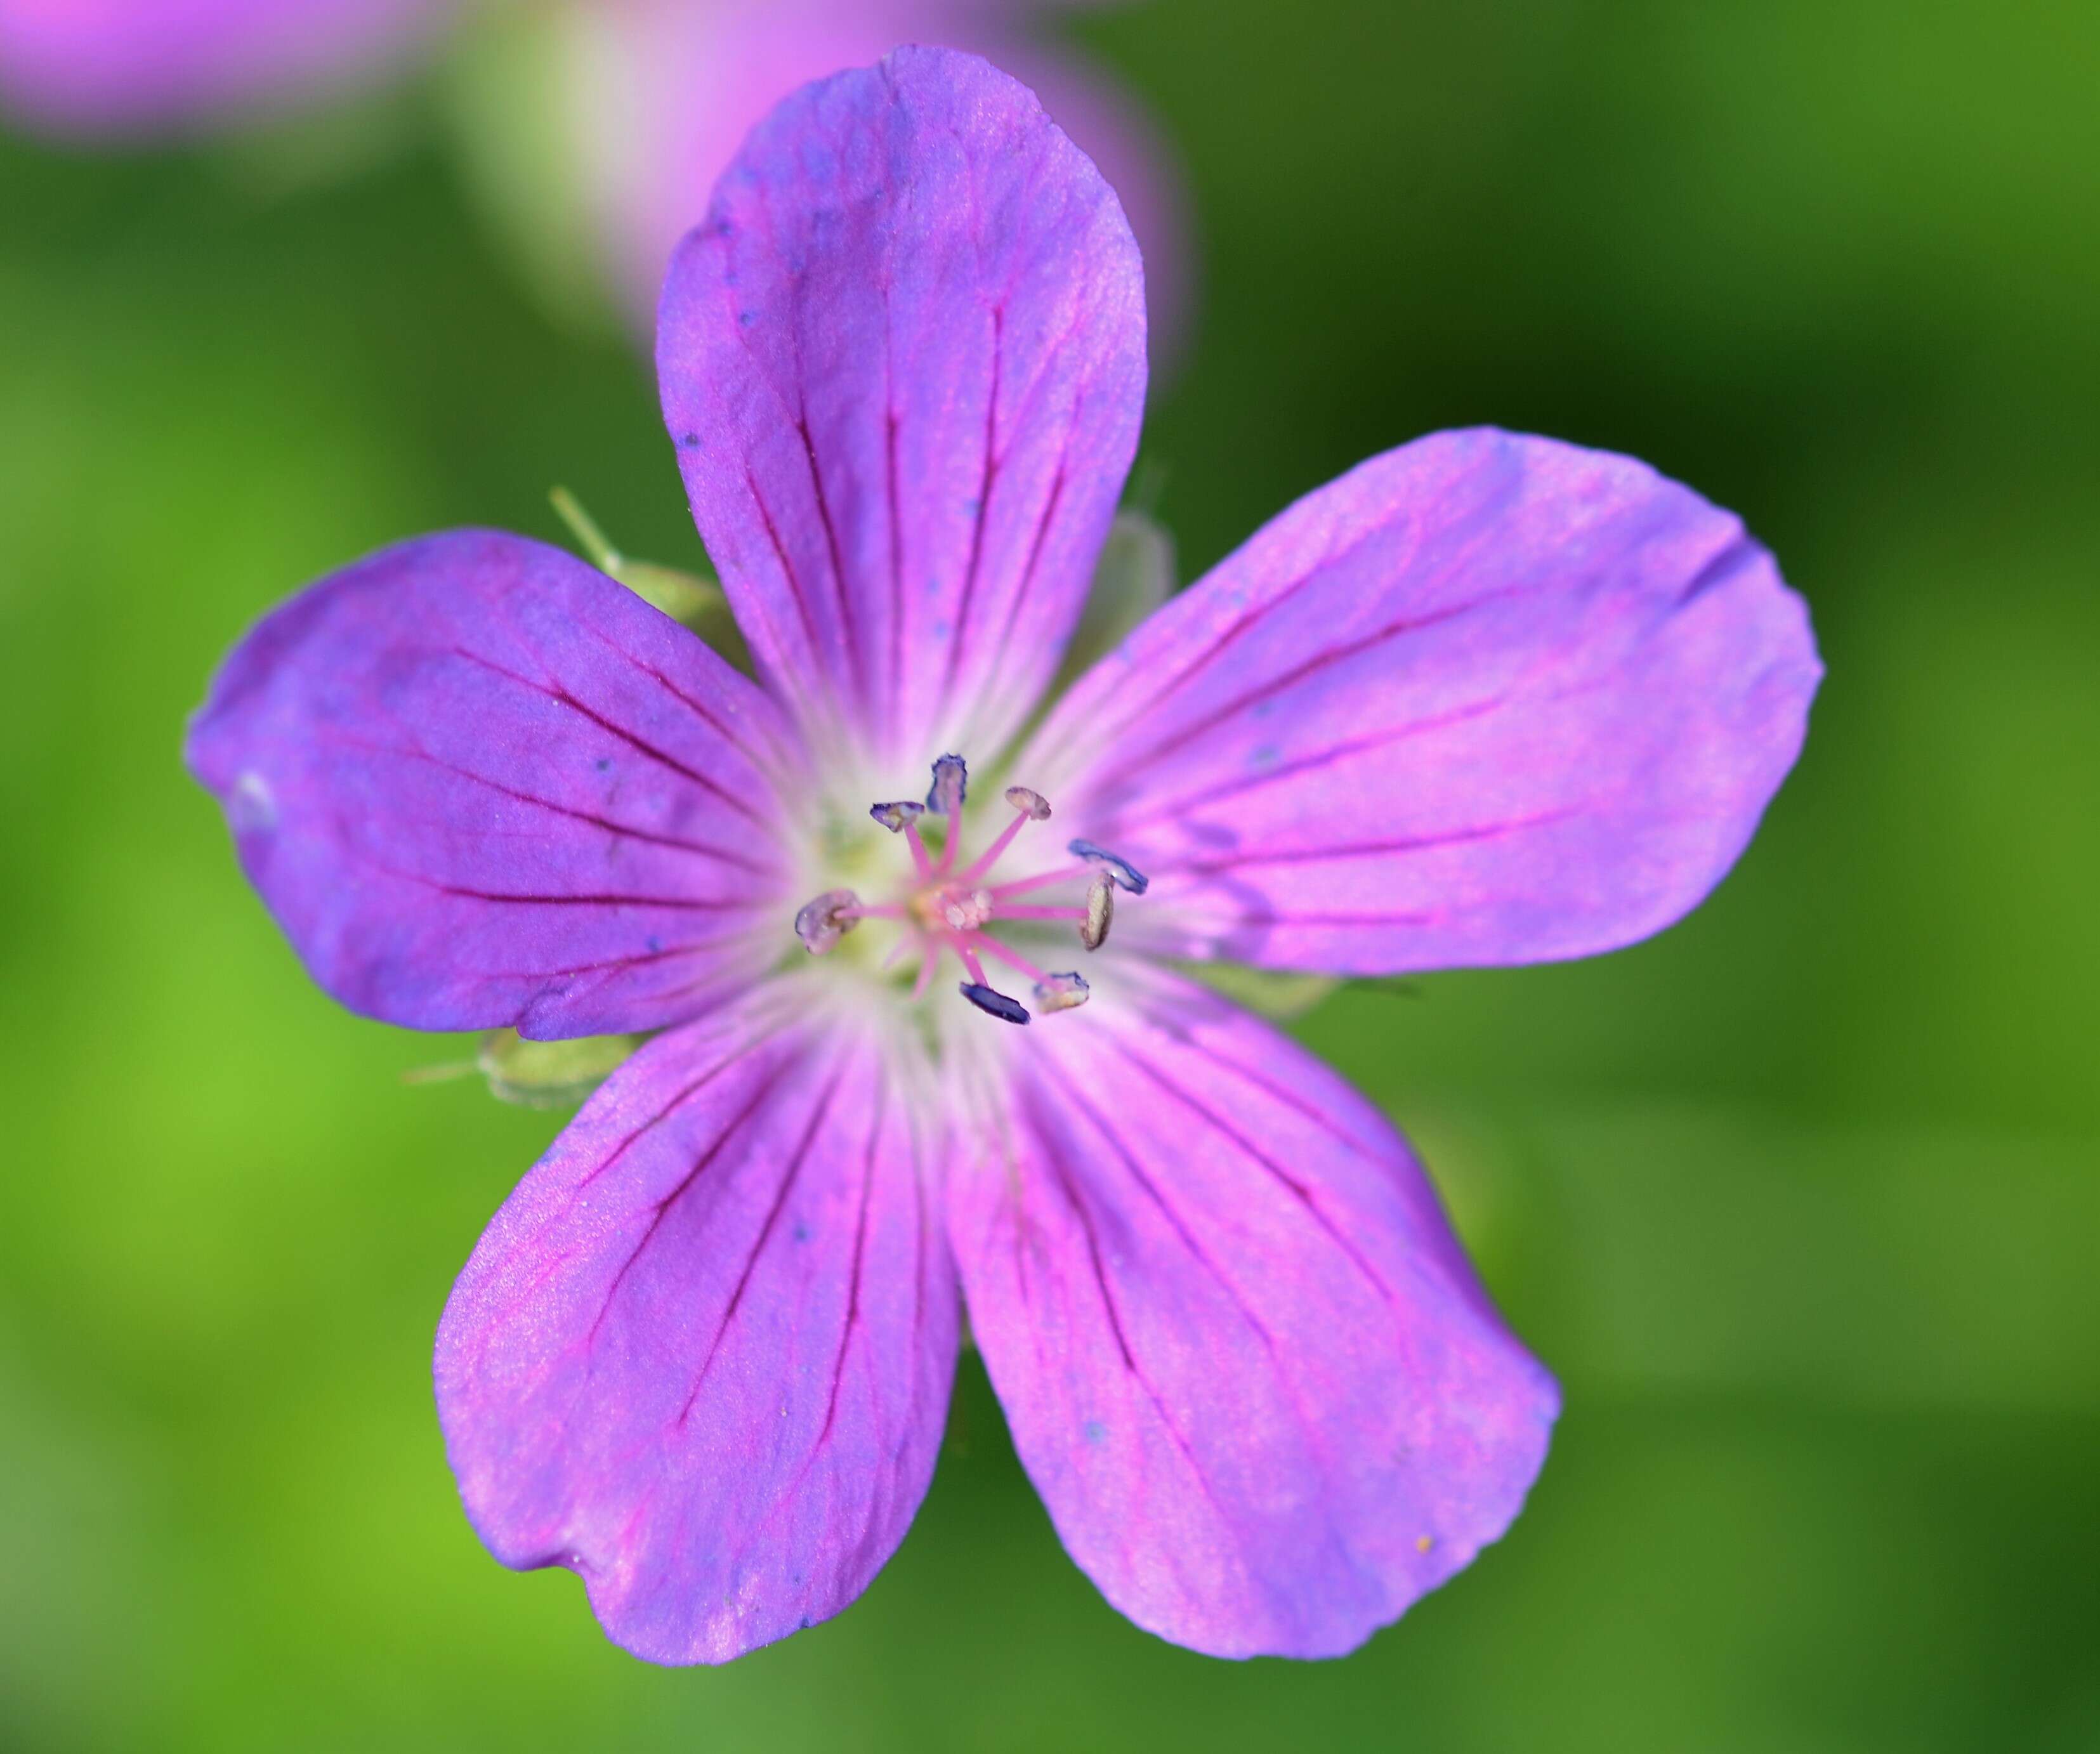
{"type": "Point", "coordinates": [918, 855]}
{"type": "Point", "coordinates": [1020, 885]}
{"type": "Point", "coordinates": [1020, 964]}
{"type": "Point", "coordinates": [1026, 911]}
{"type": "Point", "coordinates": [968, 958]}
{"type": "Point", "coordinates": [989, 857]}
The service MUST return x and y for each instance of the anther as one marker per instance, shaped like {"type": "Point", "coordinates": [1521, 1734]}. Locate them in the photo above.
{"type": "Point", "coordinates": [1029, 806]}
{"type": "Point", "coordinates": [952, 785]}
{"type": "Point", "coordinates": [821, 924]}
{"type": "Point", "coordinates": [897, 817]}
{"type": "Point", "coordinates": [1115, 864]}
{"type": "Point", "coordinates": [1101, 912]}
{"type": "Point", "coordinates": [997, 1003]}
{"type": "Point", "coordinates": [1061, 992]}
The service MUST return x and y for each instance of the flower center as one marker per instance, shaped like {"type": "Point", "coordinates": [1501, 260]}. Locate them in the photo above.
{"type": "Point", "coordinates": [942, 909]}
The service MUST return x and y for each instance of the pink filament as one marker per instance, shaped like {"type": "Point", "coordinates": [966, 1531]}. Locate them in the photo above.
{"type": "Point", "coordinates": [989, 856]}
{"type": "Point", "coordinates": [1022, 885]}
{"type": "Point", "coordinates": [918, 858]}
{"type": "Point", "coordinates": [993, 947]}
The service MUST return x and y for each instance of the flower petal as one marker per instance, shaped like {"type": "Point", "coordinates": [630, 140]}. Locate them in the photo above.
{"type": "Point", "coordinates": [97, 66]}
{"type": "Point", "coordinates": [702, 1356]}
{"type": "Point", "coordinates": [904, 363]}
{"type": "Point", "coordinates": [1487, 699]}
{"type": "Point", "coordinates": [479, 783]}
{"type": "Point", "coordinates": [1244, 1358]}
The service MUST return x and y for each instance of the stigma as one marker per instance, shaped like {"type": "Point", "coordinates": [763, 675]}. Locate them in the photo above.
{"type": "Point", "coordinates": [943, 907]}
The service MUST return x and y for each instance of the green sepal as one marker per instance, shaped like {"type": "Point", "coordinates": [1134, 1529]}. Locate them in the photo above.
{"type": "Point", "coordinates": [1280, 995]}
{"type": "Point", "coordinates": [550, 1074]}
{"type": "Point", "coordinates": [1133, 577]}
{"type": "Point", "coordinates": [693, 599]}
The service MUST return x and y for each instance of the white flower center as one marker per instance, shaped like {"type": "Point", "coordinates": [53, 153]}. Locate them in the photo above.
{"type": "Point", "coordinates": [939, 909]}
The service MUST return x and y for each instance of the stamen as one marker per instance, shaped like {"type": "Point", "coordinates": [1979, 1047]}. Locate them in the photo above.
{"type": "Point", "coordinates": [821, 924]}
{"type": "Point", "coordinates": [1040, 880]}
{"type": "Point", "coordinates": [1061, 992]}
{"type": "Point", "coordinates": [1114, 863]}
{"type": "Point", "coordinates": [922, 861]}
{"type": "Point", "coordinates": [952, 785]}
{"type": "Point", "coordinates": [946, 909]}
{"type": "Point", "coordinates": [1013, 958]}
{"type": "Point", "coordinates": [1029, 807]}
{"type": "Point", "coordinates": [997, 1004]}
{"type": "Point", "coordinates": [1101, 912]}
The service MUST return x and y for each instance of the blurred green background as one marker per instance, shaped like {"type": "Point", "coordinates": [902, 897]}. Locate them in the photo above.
{"type": "Point", "coordinates": [1802, 1200]}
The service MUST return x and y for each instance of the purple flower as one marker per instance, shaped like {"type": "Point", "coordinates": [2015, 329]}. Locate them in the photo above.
{"type": "Point", "coordinates": [1486, 699]}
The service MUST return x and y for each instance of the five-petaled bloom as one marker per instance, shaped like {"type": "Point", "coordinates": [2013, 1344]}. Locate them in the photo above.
{"type": "Point", "coordinates": [1485, 700]}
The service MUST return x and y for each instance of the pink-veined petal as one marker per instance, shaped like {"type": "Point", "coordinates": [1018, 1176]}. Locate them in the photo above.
{"type": "Point", "coordinates": [903, 364]}
{"type": "Point", "coordinates": [479, 783]}
{"type": "Point", "coordinates": [1487, 699]}
{"type": "Point", "coordinates": [702, 1356]}
{"type": "Point", "coordinates": [1244, 1359]}
{"type": "Point", "coordinates": [141, 66]}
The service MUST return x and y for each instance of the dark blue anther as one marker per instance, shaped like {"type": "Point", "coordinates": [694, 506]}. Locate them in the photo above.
{"type": "Point", "coordinates": [1114, 863]}
{"type": "Point", "coordinates": [893, 817]}
{"type": "Point", "coordinates": [951, 784]}
{"type": "Point", "coordinates": [1006, 1010]}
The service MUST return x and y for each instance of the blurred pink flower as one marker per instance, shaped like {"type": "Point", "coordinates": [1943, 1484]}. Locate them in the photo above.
{"type": "Point", "coordinates": [656, 95]}
{"type": "Point", "coordinates": [664, 91]}
{"type": "Point", "coordinates": [85, 69]}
